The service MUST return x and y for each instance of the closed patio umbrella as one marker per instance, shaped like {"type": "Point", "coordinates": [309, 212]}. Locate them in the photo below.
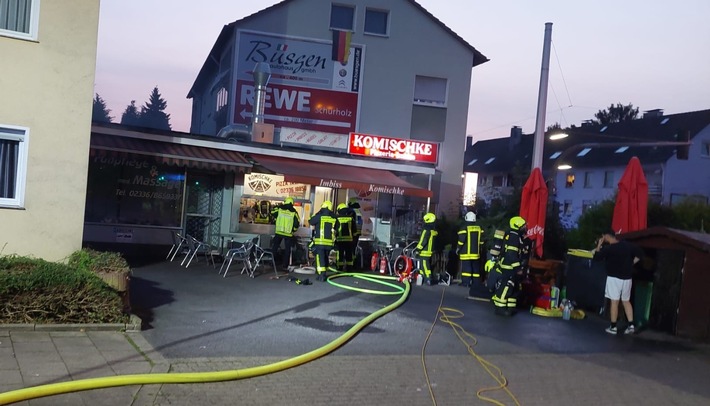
{"type": "Point", "coordinates": [630, 210]}
{"type": "Point", "coordinates": [533, 208]}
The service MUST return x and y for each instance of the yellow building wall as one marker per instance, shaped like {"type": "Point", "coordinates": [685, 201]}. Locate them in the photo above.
{"type": "Point", "coordinates": [47, 86]}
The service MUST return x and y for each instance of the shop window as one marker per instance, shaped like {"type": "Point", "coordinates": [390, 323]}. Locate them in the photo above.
{"type": "Point", "coordinates": [608, 179]}
{"type": "Point", "coordinates": [13, 165]}
{"type": "Point", "coordinates": [430, 91]}
{"type": "Point", "coordinates": [376, 21]}
{"type": "Point", "coordinates": [19, 18]}
{"type": "Point", "coordinates": [587, 179]}
{"type": "Point", "coordinates": [569, 180]}
{"type": "Point", "coordinates": [342, 17]}
{"type": "Point", "coordinates": [133, 190]}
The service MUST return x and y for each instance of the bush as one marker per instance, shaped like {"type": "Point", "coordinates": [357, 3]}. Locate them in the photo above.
{"type": "Point", "coordinates": [38, 291]}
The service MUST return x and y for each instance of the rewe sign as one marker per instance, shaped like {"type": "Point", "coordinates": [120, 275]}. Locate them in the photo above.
{"type": "Point", "coordinates": [393, 148]}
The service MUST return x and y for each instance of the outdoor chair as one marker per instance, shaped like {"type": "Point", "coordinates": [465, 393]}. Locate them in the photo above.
{"type": "Point", "coordinates": [265, 254]}
{"type": "Point", "coordinates": [243, 253]}
{"type": "Point", "coordinates": [197, 247]}
{"type": "Point", "coordinates": [179, 245]}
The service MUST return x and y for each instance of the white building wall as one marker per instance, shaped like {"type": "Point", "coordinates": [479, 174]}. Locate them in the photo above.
{"type": "Point", "coordinates": [692, 176]}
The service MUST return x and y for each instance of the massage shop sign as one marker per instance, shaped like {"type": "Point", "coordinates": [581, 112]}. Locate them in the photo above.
{"type": "Point", "coordinates": [393, 148]}
{"type": "Point", "coordinates": [261, 184]}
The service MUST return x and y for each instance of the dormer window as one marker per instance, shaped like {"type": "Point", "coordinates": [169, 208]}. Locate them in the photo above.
{"type": "Point", "coordinates": [584, 152]}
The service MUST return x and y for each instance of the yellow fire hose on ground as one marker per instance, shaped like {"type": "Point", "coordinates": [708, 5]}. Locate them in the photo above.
{"type": "Point", "coordinates": [218, 376]}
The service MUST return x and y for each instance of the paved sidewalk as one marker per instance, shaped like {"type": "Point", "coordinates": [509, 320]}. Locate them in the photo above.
{"type": "Point", "coordinates": [33, 358]}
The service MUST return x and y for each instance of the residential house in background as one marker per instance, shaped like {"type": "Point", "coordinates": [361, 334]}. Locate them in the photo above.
{"type": "Point", "coordinates": [48, 63]}
{"type": "Point", "coordinates": [598, 155]}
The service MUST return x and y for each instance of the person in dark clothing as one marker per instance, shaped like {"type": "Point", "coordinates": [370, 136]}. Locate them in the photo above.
{"type": "Point", "coordinates": [511, 266]}
{"type": "Point", "coordinates": [619, 259]}
{"type": "Point", "coordinates": [425, 249]}
{"type": "Point", "coordinates": [325, 226]}
{"type": "Point", "coordinates": [355, 205]}
{"type": "Point", "coordinates": [468, 249]}
{"type": "Point", "coordinates": [287, 223]}
{"type": "Point", "coordinates": [344, 242]}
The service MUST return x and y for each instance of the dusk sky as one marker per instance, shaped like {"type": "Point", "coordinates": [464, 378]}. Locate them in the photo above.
{"type": "Point", "coordinates": [654, 54]}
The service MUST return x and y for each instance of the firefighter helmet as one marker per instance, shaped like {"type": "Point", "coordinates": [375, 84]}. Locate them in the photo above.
{"type": "Point", "coordinates": [342, 206]}
{"type": "Point", "coordinates": [327, 205]}
{"type": "Point", "coordinates": [429, 218]}
{"type": "Point", "coordinates": [288, 200]}
{"type": "Point", "coordinates": [471, 216]}
{"type": "Point", "coordinates": [517, 222]}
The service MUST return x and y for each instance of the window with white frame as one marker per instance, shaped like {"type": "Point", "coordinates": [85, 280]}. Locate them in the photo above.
{"type": "Point", "coordinates": [430, 91]}
{"type": "Point", "coordinates": [608, 179]}
{"type": "Point", "coordinates": [13, 165]}
{"type": "Point", "coordinates": [376, 21]}
{"type": "Point", "coordinates": [19, 18]}
{"type": "Point", "coordinates": [587, 179]}
{"type": "Point", "coordinates": [342, 17]}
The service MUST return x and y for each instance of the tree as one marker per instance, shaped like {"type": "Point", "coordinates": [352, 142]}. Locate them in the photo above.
{"type": "Point", "coordinates": [153, 112]}
{"type": "Point", "coordinates": [99, 112]}
{"type": "Point", "coordinates": [616, 114]}
{"type": "Point", "coordinates": [131, 116]}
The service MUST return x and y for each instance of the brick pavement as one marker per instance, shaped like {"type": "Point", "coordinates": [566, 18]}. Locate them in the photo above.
{"type": "Point", "coordinates": [31, 358]}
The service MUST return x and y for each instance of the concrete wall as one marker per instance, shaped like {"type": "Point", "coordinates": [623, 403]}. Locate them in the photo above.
{"type": "Point", "coordinates": [47, 86]}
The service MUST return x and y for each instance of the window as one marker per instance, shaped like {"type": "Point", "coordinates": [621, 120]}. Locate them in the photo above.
{"type": "Point", "coordinates": [482, 180]}
{"type": "Point", "coordinates": [430, 91]}
{"type": "Point", "coordinates": [569, 181]}
{"type": "Point", "coordinates": [621, 149]}
{"type": "Point", "coordinates": [587, 179]}
{"type": "Point", "coordinates": [19, 18]}
{"type": "Point", "coordinates": [609, 179]}
{"type": "Point", "coordinates": [587, 205]}
{"type": "Point", "coordinates": [584, 152]}
{"type": "Point", "coordinates": [342, 17]}
{"type": "Point", "coordinates": [498, 181]}
{"type": "Point", "coordinates": [13, 165]}
{"type": "Point", "coordinates": [376, 21]}
{"type": "Point", "coordinates": [490, 160]}
{"type": "Point", "coordinates": [705, 149]}
{"type": "Point", "coordinates": [567, 208]}
{"type": "Point", "coordinates": [555, 155]}
{"type": "Point", "coordinates": [473, 161]}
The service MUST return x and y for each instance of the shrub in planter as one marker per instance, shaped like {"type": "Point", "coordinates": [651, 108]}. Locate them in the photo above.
{"type": "Point", "coordinates": [111, 267]}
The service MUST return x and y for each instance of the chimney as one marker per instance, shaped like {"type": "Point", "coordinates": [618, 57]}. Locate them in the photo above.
{"type": "Point", "coordinates": [587, 123]}
{"type": "Point", "coordinates": [516, 135]}
{"type": "Point", "coordinates": [261, 131]}
{"type": "Point", "coordinates": [655, 113]}
{"type": "Point", "coordinates": [469, 140]}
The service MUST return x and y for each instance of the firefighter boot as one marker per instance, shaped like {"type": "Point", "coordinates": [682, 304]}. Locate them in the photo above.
{"type": "Point", "coordinates": [322, 276]}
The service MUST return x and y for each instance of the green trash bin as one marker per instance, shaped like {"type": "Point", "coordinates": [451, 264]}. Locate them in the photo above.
{"type": "Point", "coordinates": [642, 302]}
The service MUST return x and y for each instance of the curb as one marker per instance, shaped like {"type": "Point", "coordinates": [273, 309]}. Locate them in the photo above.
{"type": "Point", "coordinates": [133, 326]}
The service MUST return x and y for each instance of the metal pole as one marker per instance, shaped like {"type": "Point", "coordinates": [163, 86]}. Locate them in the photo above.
{"type": "Point", "coordinates": [542, 100]}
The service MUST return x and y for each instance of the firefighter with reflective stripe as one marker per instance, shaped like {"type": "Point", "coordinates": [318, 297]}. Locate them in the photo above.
{"type": "Point", "coordinates": [345, 241]}
{"type": "Point", "coordinates": [262, 212]}
{"type": "Point", "coordinates": [325, 226]}
{"type": "Point", "coordinates": [511, 264]}
{"type": "Point", "coordinates": [425, 249]}
{"type": "Point", "coordinates": [468, 249]}
{"type": "Point", "coordinates": [287, 223]}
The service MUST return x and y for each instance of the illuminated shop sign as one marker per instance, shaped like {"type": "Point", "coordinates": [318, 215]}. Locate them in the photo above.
{"type": "Point", "coordinates": [393, 148]}
{"type": "Point", "coordinates": [261, 184]}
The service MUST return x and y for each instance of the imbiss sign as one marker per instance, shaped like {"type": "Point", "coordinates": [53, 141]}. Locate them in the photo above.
{"type": "Point", "coordinates": [393, 148]}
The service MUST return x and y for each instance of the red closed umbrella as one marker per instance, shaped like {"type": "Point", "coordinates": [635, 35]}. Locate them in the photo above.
{"type": "Point", "coordinates": [630, 210]}
{"type": "Point", "coordinates": [533, 208]}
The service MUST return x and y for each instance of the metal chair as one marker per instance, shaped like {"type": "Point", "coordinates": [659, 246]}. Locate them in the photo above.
{"type": "Point", "coordinates": [197, 247]}
{"type": "Point", "coordinates": [242, 252]}
{"type": "Point", "coordinates": [179, 245]}
{"type": "Point", "coordinates": [264, 254]}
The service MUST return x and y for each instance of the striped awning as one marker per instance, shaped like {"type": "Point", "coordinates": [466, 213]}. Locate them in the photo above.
{"type": "Point", "coordinates": [172, 154]}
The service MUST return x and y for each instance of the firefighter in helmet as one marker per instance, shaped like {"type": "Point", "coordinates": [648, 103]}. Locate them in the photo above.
{"type": "Point", "coordinates": [468, 249]}
{"type": "Point", "coordinates": [355, 205]}
{"type": "Point", "coordinates": [287, 223]}
{"type": "Point", "coordinates": [345, 241]}
{"type": "Point", "coordinates": [325, 226]}
{"type": "Point", "coordinates": [510, 266]}
{"type": "Point", "coordinates": [425, 249]}
{"type": "Point", "coordinates": [262, 212]}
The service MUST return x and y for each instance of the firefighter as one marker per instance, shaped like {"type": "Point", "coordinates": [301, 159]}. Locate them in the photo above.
{"type": "Point", "coordinates": [511, 264]}
{"type": "Point", "coordinates": [262, 212]}
{"type": "Point", "coordinates": [425, 249]}
{"type": "Point", "coordinates": [468, 249]}
{"type": "Point", "coordinates": [325, 225]}
{"type": "Point", "coordinates": [355, 205]}
{"type": "Point", "coordinates": [287, 223]}
{"type": "Point", "coordinates": [345, 241]}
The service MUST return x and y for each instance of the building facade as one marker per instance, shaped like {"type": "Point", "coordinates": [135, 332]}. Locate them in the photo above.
{"type": "Point", "coordinates": [48, 62]}
{"type": "Point", "coordinates": [406, 76]}
{"type": "Point", "coordinates": [598, 155]}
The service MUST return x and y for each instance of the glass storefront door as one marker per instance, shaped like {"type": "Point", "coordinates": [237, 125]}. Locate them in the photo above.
{"type": "Point", "coordinates": [203, 206]}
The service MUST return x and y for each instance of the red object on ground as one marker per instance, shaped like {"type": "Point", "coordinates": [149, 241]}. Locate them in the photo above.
{"type": "Point", "coordinates": [630, 210]}
{"type": "Point", "coordinates": [533, 208]}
